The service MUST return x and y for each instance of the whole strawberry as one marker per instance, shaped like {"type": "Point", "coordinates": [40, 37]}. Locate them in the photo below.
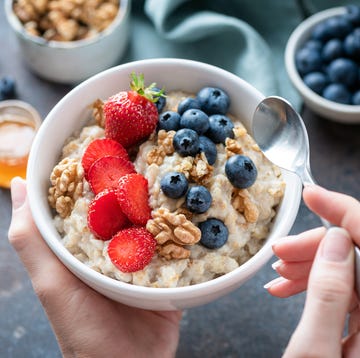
{"type": "Point", "coordinates": [131, 116]}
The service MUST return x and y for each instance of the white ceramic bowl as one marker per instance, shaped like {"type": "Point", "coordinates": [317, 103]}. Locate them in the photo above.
{"type": "Point", "coordinates": [73, 61]}
{"type": "Point", "coordinates": [334, 111]}
{"type": "Point", "coordinates": [71, 113]}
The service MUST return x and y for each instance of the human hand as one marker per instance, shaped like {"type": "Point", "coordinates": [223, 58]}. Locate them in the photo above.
{"type": "Point", "coordinates": [323, 262]}
{"type": "Point", "coordinates": [86, 323]}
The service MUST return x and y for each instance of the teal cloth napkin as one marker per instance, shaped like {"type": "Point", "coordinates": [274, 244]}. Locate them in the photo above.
{"type": "Point", "coordinates": [245, 37]}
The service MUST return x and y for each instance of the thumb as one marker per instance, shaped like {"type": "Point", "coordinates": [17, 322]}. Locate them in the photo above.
{"type": "Point", "coordinates": [18, 193]}
{"type": "Point", "coordinates": [330, 290]}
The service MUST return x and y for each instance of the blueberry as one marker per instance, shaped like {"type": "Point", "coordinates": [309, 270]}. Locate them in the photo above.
{"type": "Point", "coordinates": [220, 128]}
{"type": "Point", "coordinates": [186, 142]}
{"type": "Point", "coordinates": [337, 92]}
{"type": "Point", "coordinates": [7, 88]}
{"type": "Point", "coordinates": [320, 32]}
{"type": "Point", "coordinates": [313, 44]}
{"type": "Point", "coordinates": [169, 120]}
{"type": "Point", "coordinates": [356, 98]}
{"type": "Point", "coordinates": [332, 50]}
{"type": "Point", "coordinates": [241, 171]}
{"type": "Point", "coordinates": [338, 26]}
{"type": "Point", "coordinates": [209, 148]}
{"type": "Point", "coordinates": [161, 101]}
{"type": "Point", "coordinates": [343, 70]}
{"type": "Point", "coordinates": [195, 119]}
{"type": "Point", "coordinates": [214, 233]}
{"type": "Point", "coordinates": [198, 199]}
{"type": "Point", "coordinates": [174, 184]}
{"type": "Point", "coordinates": [213, 100]}
{"type": "Point", "coordinates": [316, 81]}
{"type": "Point", "coordinates": [353, 14]}
{"type": "Point", "coordinates": [308, 60]}
{"type": "Point", "coordinates": [188, 103]}
{"type": "Point", "coordinates": [352, 44]}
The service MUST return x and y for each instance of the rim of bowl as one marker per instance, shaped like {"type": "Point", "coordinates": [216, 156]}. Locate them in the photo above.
{"type": "Point", "coordinates": [18, 27]}
{"type": "Point", "coordinates": [227, 280]}
{"type": "Point", "coordinates": [295, 41]}
{"type": "Point", "coordinates": [32, 112]}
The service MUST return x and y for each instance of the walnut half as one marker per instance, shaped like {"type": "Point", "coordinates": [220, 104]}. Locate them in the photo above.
{"type": "Point", "coordinates": [67, 186]}
{"type": "Point", "coordinates": [172, 232]}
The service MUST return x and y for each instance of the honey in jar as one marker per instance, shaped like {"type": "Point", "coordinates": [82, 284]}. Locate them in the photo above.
{"type": "Point", "coordinates": [18, 125]}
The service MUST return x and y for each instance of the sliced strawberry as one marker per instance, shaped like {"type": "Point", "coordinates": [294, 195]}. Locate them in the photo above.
{"type": "Point", "coordinates": [105, 217]}
{"type": "Point", "coordinates": [131, 116]}
{"type": "Point", "coordinates": [100, 148]}
{"type": "Point", "coordinates": [133, 197]}
{"type": "Point", "coordinates": [106, 172]}
{"type": "Point", "coordinates": [132, 249]}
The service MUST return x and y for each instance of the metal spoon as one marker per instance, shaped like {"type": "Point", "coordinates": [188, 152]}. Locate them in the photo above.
{"type": "Point", "coordinates": [281, 135]}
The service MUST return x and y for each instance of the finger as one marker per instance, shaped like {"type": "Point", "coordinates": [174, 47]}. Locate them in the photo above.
{"type": "Point", "coordinates": [330, 289]}
{"type": "Point", "coordinates": [281, 287]}
{"type": "Point", "coordinates": [352, 346]}
{"type": "Point", "coordinates": [292, 270]}
{"type": "Point", "coordinates": [301, 247]}
{"type": "Point", "coordinates": [354, 321]}
{"type": "Point", "coordinates": [41, 264]}
{"type": "Point", "coordinates": [339, 209]}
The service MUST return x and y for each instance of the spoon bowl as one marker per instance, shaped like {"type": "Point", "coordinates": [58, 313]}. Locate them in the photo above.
{"type": "Point", "coordinates": [281, 135]}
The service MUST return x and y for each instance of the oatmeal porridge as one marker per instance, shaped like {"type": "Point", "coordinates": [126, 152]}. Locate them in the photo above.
{"type": "Point", "coordinates": [182, 257]}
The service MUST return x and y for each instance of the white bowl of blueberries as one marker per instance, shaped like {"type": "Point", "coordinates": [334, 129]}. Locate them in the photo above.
{"type": "Point", "coordinates": [322, 58]}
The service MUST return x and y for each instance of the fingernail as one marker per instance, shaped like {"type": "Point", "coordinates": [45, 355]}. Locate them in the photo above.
{"type": "Point", "coordinates": [274, 282]}
{"type": "Point", "coordinates": [18, 194]}
{"type": "Point", "coordinates": [276, 264]}
{"type": "Point", "coordinates": [336, 245]}
{"type": "Point", "coordinates": [314, 187]}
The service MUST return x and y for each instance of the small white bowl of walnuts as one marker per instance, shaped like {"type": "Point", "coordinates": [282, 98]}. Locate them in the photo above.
{"type": "Point", "coordinates": [65, 41]}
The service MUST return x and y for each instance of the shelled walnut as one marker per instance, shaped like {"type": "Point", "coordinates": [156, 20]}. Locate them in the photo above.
{"type": "Point", "coordinates": [242, 202]}
{"type": "Point", "coordinates": [65, 20]}
{"type": "Point", "coordinates": [67, 186]}
{"type": "Point", "coordinates": [232, 147]}
{"type": "Point", "coordinates": [98, 114]}
{"type": "Point", "coordinates": [164, 147]}
{"type": "Point", "coordinates": [201, 171]}
{"type": "Point", "coordinates": [172, 232]}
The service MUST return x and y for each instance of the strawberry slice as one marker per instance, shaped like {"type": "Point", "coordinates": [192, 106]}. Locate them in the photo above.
{"type": "Point", "coordinates": [105, 218]}
{"type": "Point", "coordinates": [131, 116]}
{"type": "Point", "coordinates": [133, 197]}
{"type": "Point", "coordinates": [99, 148]}
{"type": "Point", "coordinates": [132, 249]}
{"type": "Point", "coordinates": [106, 172]}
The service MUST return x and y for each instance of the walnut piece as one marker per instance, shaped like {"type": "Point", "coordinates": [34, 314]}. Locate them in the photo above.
{"type": "Point", "coordinates": [164, 147]}
{"type": "Point", "coordinates": [67, 186]}
{"type": "Point", "coordinates": [173, 251]}
{"type": "Point", "coordinates": [98, 114]}
{"type": "Point", "coordinates": [201, 171]}
{"type": "Point", "coordinates": [172, 228]}
{"type": "Point", "coordinates": [65, 20]}
{"type": "Point", "coordinates": [239, 131]}
{"type": "Point", "coordinates": [241, 201]}
{"type": "Point", "coordinates": [232, 147]}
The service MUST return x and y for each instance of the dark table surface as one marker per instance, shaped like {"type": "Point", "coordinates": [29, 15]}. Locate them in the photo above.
{"type": "Point", "coordinates": [246, 323]}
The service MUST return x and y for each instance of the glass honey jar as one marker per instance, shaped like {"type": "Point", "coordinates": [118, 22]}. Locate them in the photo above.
{"type": "Point", "coordinates": [19, 123]}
